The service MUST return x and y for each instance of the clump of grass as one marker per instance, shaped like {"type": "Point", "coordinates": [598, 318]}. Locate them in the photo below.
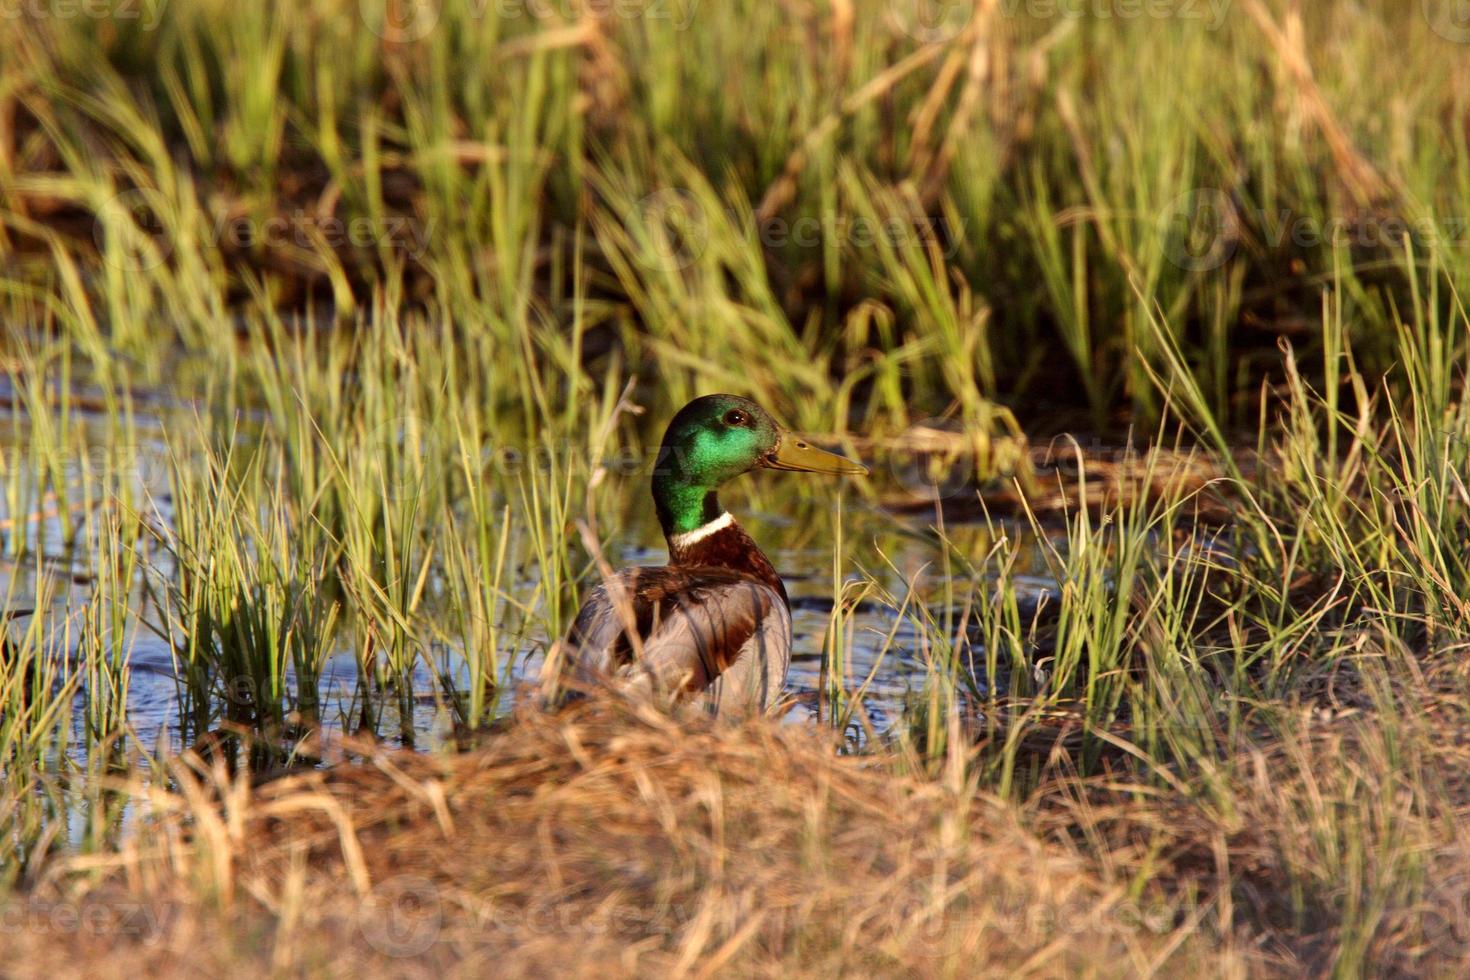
{"type": "Point", "coordinates": [763, 851]}
{"type": "Point", "coordinates": [37, 694]}
{"type": "Point", "coordinates": [508, 170]}
{"type": "Point", "coordinates": [249, 608]}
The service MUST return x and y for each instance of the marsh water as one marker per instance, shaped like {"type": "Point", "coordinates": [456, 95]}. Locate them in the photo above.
{"type": "Point", "coordinates": [898, 550]}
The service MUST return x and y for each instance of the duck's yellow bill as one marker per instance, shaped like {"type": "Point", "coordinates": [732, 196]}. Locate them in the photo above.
{"type": "Point", "coordinates": [797, 454]}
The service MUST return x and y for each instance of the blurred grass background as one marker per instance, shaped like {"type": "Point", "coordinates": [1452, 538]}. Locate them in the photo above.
{"type": "Point", "coordinates": [910, 208]}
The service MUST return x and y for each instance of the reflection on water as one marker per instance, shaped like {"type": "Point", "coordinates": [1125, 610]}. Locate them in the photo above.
{"type": "Point", "coordinates": [885, 656]}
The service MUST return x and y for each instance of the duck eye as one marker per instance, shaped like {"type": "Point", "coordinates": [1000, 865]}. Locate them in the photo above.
{"type": "Point", "coordinates": [736, 417]}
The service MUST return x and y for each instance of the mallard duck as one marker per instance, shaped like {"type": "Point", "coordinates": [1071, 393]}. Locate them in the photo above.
{"type": "Point", "coordinates": [714, 623]}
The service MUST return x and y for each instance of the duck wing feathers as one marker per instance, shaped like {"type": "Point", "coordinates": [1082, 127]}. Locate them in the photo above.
{"type": "Point", "coordinates": [700, 629]}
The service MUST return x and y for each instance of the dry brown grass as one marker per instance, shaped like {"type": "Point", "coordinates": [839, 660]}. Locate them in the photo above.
{"type": "Point", "coordinates": [611, 841]}
{"type": "Point", "coordinates": [599, 843]}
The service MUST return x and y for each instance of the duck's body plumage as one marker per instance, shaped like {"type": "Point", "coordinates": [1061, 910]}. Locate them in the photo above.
{"type": "Point", "coordinates": [702, 632]}
{"type": "Point", "coordinates": [714, 624]}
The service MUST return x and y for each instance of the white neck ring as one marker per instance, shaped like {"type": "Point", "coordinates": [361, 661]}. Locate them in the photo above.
{"type": "Point", "coordinates": [690, 538]}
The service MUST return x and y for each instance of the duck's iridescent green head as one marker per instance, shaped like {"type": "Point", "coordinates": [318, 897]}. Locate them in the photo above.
{"type": "Point", "coordinates": [716, 438]}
